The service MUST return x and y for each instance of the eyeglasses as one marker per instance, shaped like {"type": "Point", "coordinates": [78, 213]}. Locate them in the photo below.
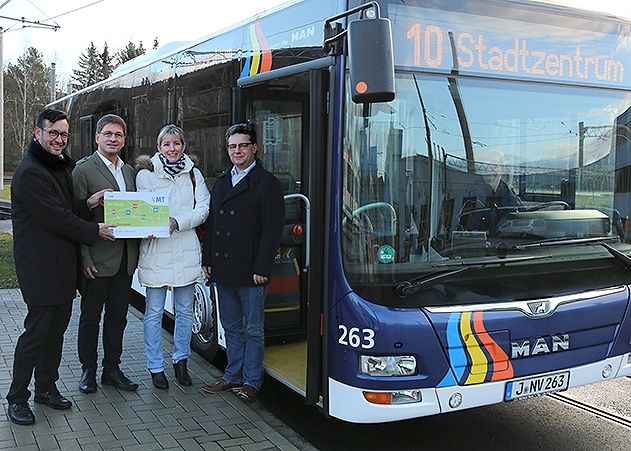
{"type": "Point", "coordinates": [241, 146]}
{"type": "Point", "coordinates": [54, 134]}
{"type": "Point", "coordinates": [116, 135]}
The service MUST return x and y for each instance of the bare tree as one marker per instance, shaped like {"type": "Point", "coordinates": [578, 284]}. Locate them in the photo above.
{"type": "Point", "coordinates": [26, 85]}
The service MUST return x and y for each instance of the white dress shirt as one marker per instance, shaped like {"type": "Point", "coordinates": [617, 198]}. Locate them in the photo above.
{"type": "Point", "coordinates": [116, 170]}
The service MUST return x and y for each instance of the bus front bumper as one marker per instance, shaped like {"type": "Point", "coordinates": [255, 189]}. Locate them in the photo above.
{"type": "Point", "coordinates": [349, 403]}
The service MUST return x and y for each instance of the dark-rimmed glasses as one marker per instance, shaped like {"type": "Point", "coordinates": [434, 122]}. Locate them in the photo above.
{"type": "Point", "coordinates": [54, 134]}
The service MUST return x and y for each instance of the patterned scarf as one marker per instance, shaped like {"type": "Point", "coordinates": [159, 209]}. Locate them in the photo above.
{"type": "Point", "coordinates": [172, 169]}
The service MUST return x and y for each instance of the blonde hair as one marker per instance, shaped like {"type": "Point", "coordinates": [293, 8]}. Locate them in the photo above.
{"type": "Point", "coordinates": [171, 129]}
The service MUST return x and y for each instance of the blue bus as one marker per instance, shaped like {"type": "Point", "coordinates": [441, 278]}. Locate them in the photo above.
{"type": "Point", "coordinates": [456, 179]}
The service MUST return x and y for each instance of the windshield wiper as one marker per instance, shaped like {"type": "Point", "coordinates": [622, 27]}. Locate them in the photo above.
{"type": "Point", "coordinates": [412, 286]}
{"type": "Point", "coordinates": [620, 257]}
{"type": "Point", "coordinates": [567, 241]}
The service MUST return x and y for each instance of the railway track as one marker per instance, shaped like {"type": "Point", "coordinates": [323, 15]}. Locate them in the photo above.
{"type": "Point", "coordinates": [5, 209]}
{"type": "Point", "coordinates": [623, 421]}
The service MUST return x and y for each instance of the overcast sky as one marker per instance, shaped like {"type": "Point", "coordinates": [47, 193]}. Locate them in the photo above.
{"type": "Point", "coordinates": [119, 21]}
{"type": "Point", "coordinates": [115, 22]}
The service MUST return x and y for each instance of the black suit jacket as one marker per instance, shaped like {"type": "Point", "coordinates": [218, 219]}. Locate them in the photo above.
{"type": "Point", "coordinates": [244, 227]}
{"type": "Point", "coordinates": [46, 229]}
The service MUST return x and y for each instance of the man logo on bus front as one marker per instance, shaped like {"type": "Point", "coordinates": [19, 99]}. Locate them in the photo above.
{"type": "Point", "coordinates": [539, 307]}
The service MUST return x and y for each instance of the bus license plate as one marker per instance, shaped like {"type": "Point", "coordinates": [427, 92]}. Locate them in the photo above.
{"type": "Point", "coordinates": [533, 386]}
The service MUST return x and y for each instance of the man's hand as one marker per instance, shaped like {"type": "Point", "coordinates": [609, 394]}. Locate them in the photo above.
{"type": "Point", "coordinates": [104, 231]}
{"type": "Point", "coordinates": [206, 271]}
{"type": "Point", "coordinates": [96, 199]}
{"type": "Point", "coordinates": [259, 280]}
{"type": "Point", "coordinates": [90, 272]}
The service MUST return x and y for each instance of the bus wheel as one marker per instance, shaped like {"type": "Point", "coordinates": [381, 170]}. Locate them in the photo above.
{"type": "Point", "coordinates": [204, 340]}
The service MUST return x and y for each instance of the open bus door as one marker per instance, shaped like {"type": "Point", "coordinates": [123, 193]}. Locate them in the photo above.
{"type": "Point", "coordinates": [289, 112]}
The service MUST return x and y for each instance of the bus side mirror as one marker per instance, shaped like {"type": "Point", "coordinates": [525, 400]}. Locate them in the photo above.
{"type": "Point", "coordinates": [371, 60]}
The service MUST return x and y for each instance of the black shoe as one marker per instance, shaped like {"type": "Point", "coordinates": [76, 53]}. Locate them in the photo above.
{"type": "Point", "coordinates": [160, 380]}
{"type": "Point", "coordinates": [118, 379]}
{"type": "Point", "coordinates": [21, 413]}
{"type": "Point", "coordinates": [181, 373]}
{"type": "Point", "coordinates": [53, 399]}
{"type": "Point", "coordinates": [87, 383]}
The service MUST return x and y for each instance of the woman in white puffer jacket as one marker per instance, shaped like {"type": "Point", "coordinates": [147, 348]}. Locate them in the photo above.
{"type": "Point", "coordinates": [173, 262]}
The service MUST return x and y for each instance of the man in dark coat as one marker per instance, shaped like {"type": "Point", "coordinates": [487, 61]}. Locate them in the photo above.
{"type": "Point", "coordinates": [243, 233]}
{"type": "Point", "coordinates": [46, 237]}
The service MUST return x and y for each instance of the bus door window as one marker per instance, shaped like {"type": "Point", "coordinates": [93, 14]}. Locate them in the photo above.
{"type": "Point", "coordinates": [280, 111]}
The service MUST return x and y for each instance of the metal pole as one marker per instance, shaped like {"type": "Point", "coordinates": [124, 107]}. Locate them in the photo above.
{"type": "Point", "coordinates": [53, 93]}
{"type": "Point", "coordinates": [1, 110]}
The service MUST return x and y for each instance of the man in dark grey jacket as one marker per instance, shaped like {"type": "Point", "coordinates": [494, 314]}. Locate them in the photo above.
{"type": "Point", "coordinates": [107, 266]}
{"type": "Point", "coordinates": [243, 233]}
{"type": "Point", "coordinates": [46, 237]}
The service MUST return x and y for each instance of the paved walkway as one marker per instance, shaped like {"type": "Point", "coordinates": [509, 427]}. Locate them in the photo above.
{"type": "Point", "coordinates": [149, 419]}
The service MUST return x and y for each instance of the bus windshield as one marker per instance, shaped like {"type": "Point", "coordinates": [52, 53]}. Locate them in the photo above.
{"type": "Point", "coordinates": [463, 167]}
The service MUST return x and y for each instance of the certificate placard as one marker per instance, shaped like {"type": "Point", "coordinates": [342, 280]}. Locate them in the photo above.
{"type": "Point", "coordinates": [137, 214]}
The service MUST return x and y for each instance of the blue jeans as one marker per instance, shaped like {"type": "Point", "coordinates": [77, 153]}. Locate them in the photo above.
{"type": "Point", "coordinates": [154, 308]}
{"type": "Point", "coordinates": [241, 310]}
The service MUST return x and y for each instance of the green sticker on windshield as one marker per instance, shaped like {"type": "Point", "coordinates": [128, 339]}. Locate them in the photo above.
{"type": "Point", "coordinates": [385, 254]}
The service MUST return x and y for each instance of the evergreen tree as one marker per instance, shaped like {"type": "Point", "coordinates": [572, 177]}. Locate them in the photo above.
{"type": "Point", "coordinates": [106, 66]}
{"type": "Point", "coordinates": [89, 71]}
{"type": "Point", "coordinates": [130, 51]}
{"type": "Point", "coordinates": [155, 43]}
{"type": "Point", "coordinates": [26, 92]}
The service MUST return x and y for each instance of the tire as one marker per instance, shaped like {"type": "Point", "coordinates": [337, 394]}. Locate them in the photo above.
{"type": "Point", "coordinates": [204, 340]}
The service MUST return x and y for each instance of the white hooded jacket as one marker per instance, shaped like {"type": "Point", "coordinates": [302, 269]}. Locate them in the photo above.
{"type": "Point", "coordinates": [174, 261]}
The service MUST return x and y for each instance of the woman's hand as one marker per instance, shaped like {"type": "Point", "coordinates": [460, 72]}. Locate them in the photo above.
{"type": "Point", "coordinates": [173, 225]}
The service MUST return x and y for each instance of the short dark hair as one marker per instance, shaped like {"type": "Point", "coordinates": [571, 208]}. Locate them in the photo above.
{"type": "Point", "coordinates": [51, 115]}
{"type": "Point", "coordinates": [111, 119]}
{"type": "Point", "coordinates": [246, 128]}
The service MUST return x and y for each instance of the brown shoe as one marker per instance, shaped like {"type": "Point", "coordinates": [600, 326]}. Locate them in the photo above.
{"type": "Point", "coordinates": [220, 386]}
{"type": "Point", "coordinates": [247, 393]}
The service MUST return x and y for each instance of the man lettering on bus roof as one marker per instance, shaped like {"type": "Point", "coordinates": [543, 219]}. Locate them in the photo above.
{"type": "Point", "coordinates": [243, 235]}
{"type": "Point", "coordinates": [107, 266]}
{"type": "Point", "coordinates": [46, 235]}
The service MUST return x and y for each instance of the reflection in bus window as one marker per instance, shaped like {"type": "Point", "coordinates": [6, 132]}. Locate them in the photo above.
{"type": "Point", "coordinates": [487, 159]}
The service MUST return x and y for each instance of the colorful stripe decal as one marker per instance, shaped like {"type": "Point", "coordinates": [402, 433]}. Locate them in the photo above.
{"type": "Point", "coordinates": [502, 368]}
{"type": "Point", "coordinates": [474, 356]}
{"type": "Point", "coordinates": [266, 57]}
{"type": "Point", "coordinates": [479, 362]}
{"type": "Point", "coordinates": [260, 58]}
{"type": "Point", "coordinates": [246, 67]}
{"type": "Point", "coordinates": [256, 51]}
{"type": "Point", "coordinates": [457, 356]}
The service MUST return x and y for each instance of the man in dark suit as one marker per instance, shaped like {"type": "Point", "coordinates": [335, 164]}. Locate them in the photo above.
{"type": "Point", "coordinates": [107, 266]}
{"type": "Point", "coordinates": [243, 235]}
{"type": "Point", "coordinates": [46, 237]}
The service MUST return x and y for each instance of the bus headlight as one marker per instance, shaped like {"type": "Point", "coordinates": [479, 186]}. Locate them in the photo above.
{"type": "Point", "coordinates": [390, 365]}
